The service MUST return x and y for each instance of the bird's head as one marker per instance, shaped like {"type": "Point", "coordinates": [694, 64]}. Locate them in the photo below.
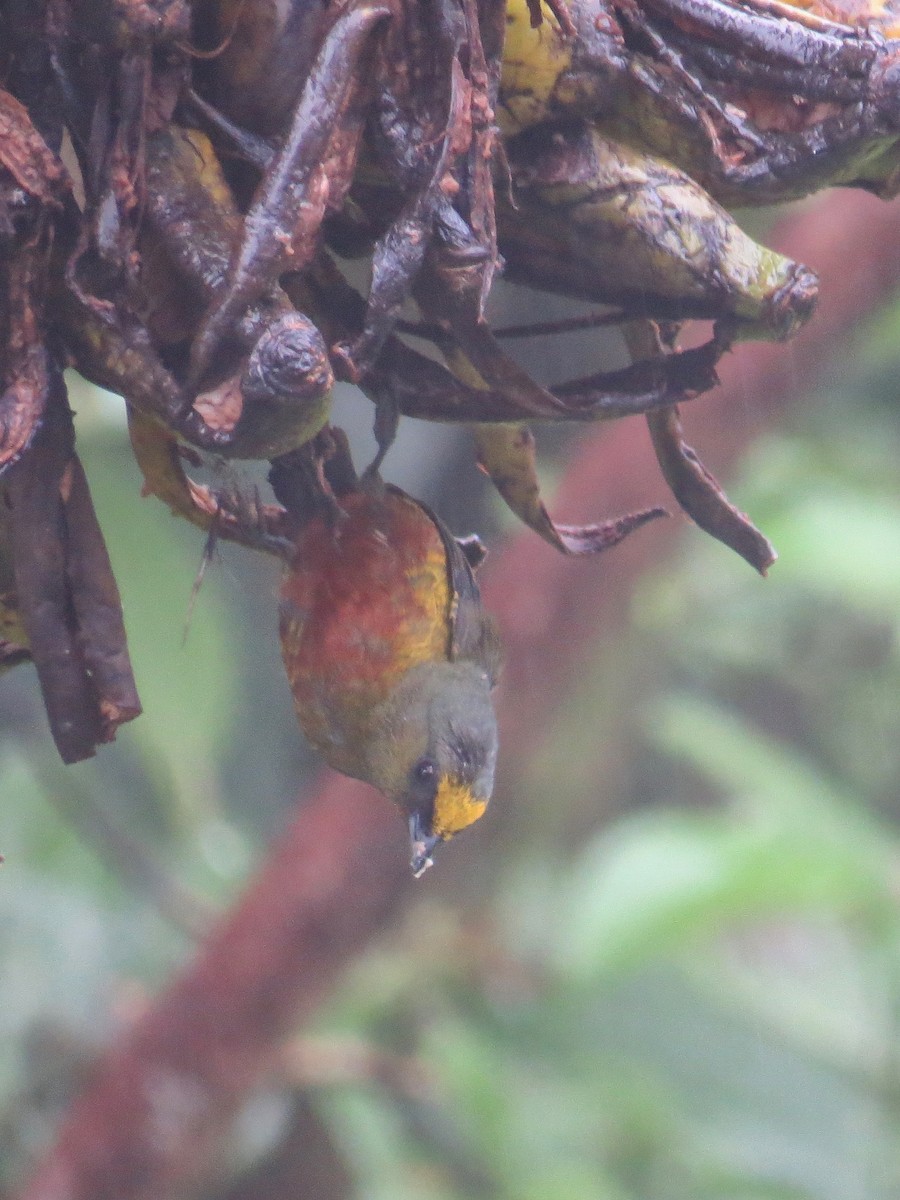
{"type": "Point", "coordinates": [434, 750]}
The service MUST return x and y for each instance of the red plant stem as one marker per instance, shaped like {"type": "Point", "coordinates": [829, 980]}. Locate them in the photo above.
{"type": "Point", "coordinates": [147, 1123]}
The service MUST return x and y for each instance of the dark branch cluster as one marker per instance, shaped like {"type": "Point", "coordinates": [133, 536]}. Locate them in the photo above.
{"type": "Point", "coordinates": [182, 183]}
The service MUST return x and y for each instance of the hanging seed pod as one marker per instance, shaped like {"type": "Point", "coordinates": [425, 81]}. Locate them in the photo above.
{"type": "Point", "coordinates": [597, 220]}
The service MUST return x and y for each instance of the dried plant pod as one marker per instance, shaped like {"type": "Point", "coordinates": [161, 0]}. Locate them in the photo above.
{"type": "Point", "coordinates": [601, 221]}
{"type": "Point", "coordinates": [694, 487]}
{"type": "Point", "coordinates": [507, 454]}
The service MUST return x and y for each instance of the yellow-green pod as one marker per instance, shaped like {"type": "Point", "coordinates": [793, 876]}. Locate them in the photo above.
{"type": "Point", "coordinates": [600, 221]}
{"type": "Point", "coordinates": [547, 74]}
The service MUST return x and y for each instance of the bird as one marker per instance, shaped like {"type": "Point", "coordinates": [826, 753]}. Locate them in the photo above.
{"type": "Point", "coordinates": [391, 657]}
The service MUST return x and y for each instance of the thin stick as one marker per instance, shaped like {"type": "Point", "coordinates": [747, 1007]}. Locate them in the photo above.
{"type": "Point", "coordinates": [433, 333]}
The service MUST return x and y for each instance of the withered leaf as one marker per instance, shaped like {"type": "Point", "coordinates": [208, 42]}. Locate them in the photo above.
{"type": "Point", "coordinates": [695, 488]}
{"type": "Point", "coordinates": [39, 556]}
{"type": "Point", "coordinates": [159, 456]}
{"type": "Point", "coordinates": [507, 454]}
{"type": "Point", "coordinates": [699, 494]}
{"type": "Point", "coordinates": [25, 154]}
{"type": "Point", "coordinates": [97, 606]}
{"type": "Point", "coordinates": [65, 591]}
{"type": "Point", "coordinates": [26, 369]}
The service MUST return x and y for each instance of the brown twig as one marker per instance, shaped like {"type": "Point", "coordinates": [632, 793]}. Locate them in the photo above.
{"type": "Point", "coordinates": [434, 333]}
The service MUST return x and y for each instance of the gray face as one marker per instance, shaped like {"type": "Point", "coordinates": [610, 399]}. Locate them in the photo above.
{"type": "Point", "coordinates": [436, 749]}
{"type": "Point", "coordinates": [462, 733]}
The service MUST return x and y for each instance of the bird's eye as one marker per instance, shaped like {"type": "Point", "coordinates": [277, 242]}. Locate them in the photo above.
{"type": "Point", "coordinates": [424, 771]}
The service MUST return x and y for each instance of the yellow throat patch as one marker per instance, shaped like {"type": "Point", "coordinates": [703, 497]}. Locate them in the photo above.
{"type": "Point", "coordinates": [455, 808]}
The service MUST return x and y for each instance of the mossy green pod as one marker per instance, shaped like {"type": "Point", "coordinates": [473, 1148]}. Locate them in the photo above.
{"type": "Point", "coordinates": [601, 221]}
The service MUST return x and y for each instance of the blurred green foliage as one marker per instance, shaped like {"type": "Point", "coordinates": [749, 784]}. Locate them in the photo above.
{"type": "Point", "coordinates": [680, 981]}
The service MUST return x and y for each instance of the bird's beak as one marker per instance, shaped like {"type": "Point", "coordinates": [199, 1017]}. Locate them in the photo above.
{"type": "Point", "coordinates": [421, 845]}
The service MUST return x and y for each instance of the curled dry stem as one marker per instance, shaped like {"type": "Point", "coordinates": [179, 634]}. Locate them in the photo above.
{"type": "Point", "coordinates": [694, 487]}
{"type": "Point", "coordinates": [160, 458]}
